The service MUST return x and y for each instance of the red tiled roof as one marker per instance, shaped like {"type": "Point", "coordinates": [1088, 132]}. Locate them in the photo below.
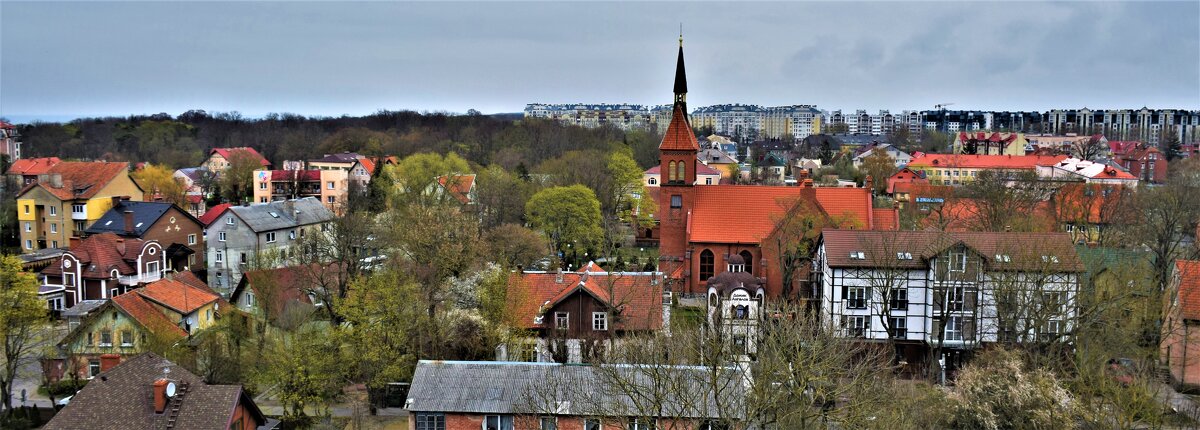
{"type": "Point", "coordinates": [81, 180]}
{"type": "Point", "coordinates": [638, 296]}
{"type": "Point", "coordinates": [368, 165]}
{"type": "Point", "coordinates": [461, 188]}
{"type": "Point", "coordinates": [99, 254]}
{"type": "Point", "coordinates": [33, 166]}
{"type": "Point", "coordinates": [747, 213]}
{"type": "Point", "coordinates": [679, 135]}
{"type": "Point", "coordinates": [886, 219]}
{"type": "Point", "coordinates": [134, 305]}
{"type": "Point", "coordinates": [1188, 272]}
{"type": "Point", "coordinates": [985, 161]}
{"type": "Point", "coordinates": [287, 284]}
{"type": "Point", "coordinates": [1122, 147]}
{"type": "Point", "coordinates": [1025, 250]}
{"type": "Point", "coordinates": [227, 152]}
{"type": "Point", "coordinates": [993, 137]}
{"type": "Point", "coordinates": [212, 214]}
{"type": "Point", "coordinates": [181, 297]}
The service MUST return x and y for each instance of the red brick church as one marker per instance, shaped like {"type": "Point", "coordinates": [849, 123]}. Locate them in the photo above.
{"type": "Point", "coordinates": [701, 226]}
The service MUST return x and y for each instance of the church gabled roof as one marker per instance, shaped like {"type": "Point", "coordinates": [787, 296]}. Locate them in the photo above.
{"type": "Point", "coordinates": [679, 135]}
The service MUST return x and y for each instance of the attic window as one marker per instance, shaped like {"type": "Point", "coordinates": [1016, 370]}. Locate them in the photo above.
{"type": "Point", "coordinates": [904, 256]}
{"type": "Point", "coordinates": [1049, 258]}
{"type": "Point", "coordinates": [1003, 258]}
{"type": "Point", "coordinates": [274, 215]}
{"type": "Point", "coordinates": [139, 225]}
{"type": "Point", "coordinates": [108, 223]}
{"type": "Point", "coordinates": [858, 255]}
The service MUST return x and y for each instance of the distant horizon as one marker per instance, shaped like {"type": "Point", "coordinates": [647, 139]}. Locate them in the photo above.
{"type": "Point", "coordinates": [69, 59]}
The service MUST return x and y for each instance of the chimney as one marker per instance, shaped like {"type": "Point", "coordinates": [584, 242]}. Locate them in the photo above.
{"type": "Point", "coordinates": [868, 183]}
{"type": "Point", "coordinates": [74, 242]}
{"type": "Point", "coordinates": [160, 396]}
{"type": "Point", "coordinates": [109, 361]}
{"type": "Point", "coordinates": [56, 180]}
{"type": "Point", "coordinates": [558, 276]}
{"type": "Point", "coordinates": [116, 202]}
{"type": "Point", "coordinates": [128, 221]}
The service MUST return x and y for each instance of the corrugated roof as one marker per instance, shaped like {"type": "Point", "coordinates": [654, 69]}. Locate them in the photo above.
{"type": "Point", "coordinates": [486, 387]}
{"type": "Point", "coordinates": [282, 214]}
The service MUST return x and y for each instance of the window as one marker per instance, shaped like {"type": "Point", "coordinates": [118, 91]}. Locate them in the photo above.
{"type": "Point", "coordinates": [105, 337]}
{"type": "Point", "coordinates": [676, 201]}
{"type": "Point", "coordinates": [958, 261]}
{"type": "Point", "coordinates": [28, 244]}
{"type": "Point", "coordinates": [274, 214]}
{"type": "Point", "coordinates": [749, 259]}
{"type": "Point", "coordinates": [53, 211]}
{"type": "Point", "coordinates": [271, 237]}
{"type": "Point", "coordinates": [329, 185]}
{"type": "Point", "coordinates": [707, 263]}
{"type": "Point", "coordinates": [220, 256]}
{"type": "Point", "coordinates": [600, 321]}
{"type": "Point", "coordinates": [954, 328]}
{"type": "Point", "coordinates": [642, 424]}
{"type": "Point", "coordinates": [292, 235]}
{"type": "Point", "coordinates": [741, 312]}
{"type": "Point", "coordinates": [331, 199]}
{"type": "Point", "coordinates": [858, 255]}
{"type": "Point", "coordinates": [707, 181]}
{"type": "Point", "coordinates": [28, 226]}
{"type": "Point", "coordinates": [78, 227]}
{"type": "Point", "coordinates": [856, 298]}
{"type": "Point", "coordinates": [229, 220]}
{"type": "Point", "coordinates": [653, 181]}
{"type": "Point", "coordinates": [220, 279]}
{"type": "Point", "coordinates": [898, 327]}
{"type": "Point", "coordinates": [69, 279]}
{"type": "Point", "coordinates": [93, 368]}
{"type": "Point", "coordinates": [591, 424]}
{"type": "Point", "coordinates": [243, 258]}
{"type": "Point", "coordinates": [548, 423]}
{"type": "Point", "coordinates": [498, 422]}
{"type": "Point", "coordinates": [956, 298]}
{"type": "Point", "coordinates": [562, 320]}
{"type": "Point", "coordinates": [26, 209]}
{"type": "Point", "coordinates": [191, 239]}
{"type": "Point", "coordinates": [262, 185]}
{"type": "Point", "coordinates": [431, 422]}
{"type": "Point", "coordinates": [152, 267]}
{"type": "Point", "coordinates": [221, 236]}
{"type": "Point", "coordinates": [904, 256]}
{"type": "Point", "coordinates": [679, 171]}
{"type": "Point", "coordinates": [54, 227]}
{"type": "Point", "coordinates": [1051, 330]}
{"type": "Point", "coordinates": [671, 172]}
{"type": "Point", "coordinates": [856, 325]}
{"type": "Point", "coordinates": [900, 299]}
{"type": "Point", "coordinates": [78, 209]}
{"type": "Point", "coordinates": [126, 338]}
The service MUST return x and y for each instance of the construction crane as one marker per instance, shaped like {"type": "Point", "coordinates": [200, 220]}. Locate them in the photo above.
{"type": "Point", "coordinates": [941, 106]}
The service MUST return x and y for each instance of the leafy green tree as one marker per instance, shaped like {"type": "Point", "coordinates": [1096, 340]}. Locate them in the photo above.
{"type": "Point", "coordinates": [306, 369]}
{"type": "Point", "coordinates": [501, 196]}
{"type": "Point", "coordinates": [567, 216]}
{"type": "Point", "coordinates": [628, 193]}
{"type": "Point", "coordinates": [237, 180]}
{"type": "Point", "coordinates": [379, 313]}
{"type": "Point", "coordinates": [416, 176]}
{"type": "Point", "coordinates": [158, 181]}
{"type": "Point", "coordinates": [511, 245]}
{"type": "Point", "coordinates": [22, 320]}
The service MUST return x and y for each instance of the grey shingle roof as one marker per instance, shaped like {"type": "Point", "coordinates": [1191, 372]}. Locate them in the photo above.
{"type": "Point", "coordinates": [283, 214]}
{"type": "Point", "coordinates": [488, 387]}
{"type": "Point", "coordinates": [122, 398]}
{"type": "Point", "coordinates": [144, 215]}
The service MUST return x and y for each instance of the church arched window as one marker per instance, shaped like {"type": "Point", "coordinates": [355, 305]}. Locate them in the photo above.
{"type": "Point", "coordinates": [706, 265]}
{"type": "Point", "coordinates": [679, 173]}
{"type": "Point", "coordinates": [671, 172]}
{"type": "Point", "coordinates": [749, 258]}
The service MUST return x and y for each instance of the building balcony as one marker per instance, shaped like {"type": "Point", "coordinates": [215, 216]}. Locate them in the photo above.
{"type": "Point", "coordinates": [138, 279]}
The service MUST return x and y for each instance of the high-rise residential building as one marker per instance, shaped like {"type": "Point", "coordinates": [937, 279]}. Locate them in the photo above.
{"type": "Point", "coordinates": [622, 116]}
{"type": "Point", "coordinates": [861, 122]}
{"type": "Point", "coordinates": [743, 122]}
{"type": "Point", "coordinates": [799, 121]}
{"type": "Point", "coordinates": [1149, 125]}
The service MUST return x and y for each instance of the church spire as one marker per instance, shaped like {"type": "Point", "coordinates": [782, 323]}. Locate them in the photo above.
{"type": "Point", "coordinates": [680, 77]}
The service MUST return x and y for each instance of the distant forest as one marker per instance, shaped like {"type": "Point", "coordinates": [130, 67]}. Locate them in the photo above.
{"type": "Point", "coordinates": [505, 140]}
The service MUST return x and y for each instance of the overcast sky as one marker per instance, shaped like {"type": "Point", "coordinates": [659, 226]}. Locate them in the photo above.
{"type": "Point", "coordinates": [69, 59]}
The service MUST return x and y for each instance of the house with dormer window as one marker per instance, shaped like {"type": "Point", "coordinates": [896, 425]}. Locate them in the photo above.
{"type": "Point", "coordinates": [259, 236]}
{"type": "Point", "coordinates": [100, 267]}
{"type": "Point", "coordinates": [949, 292]}
{"type": "Point", "coordinates": [574, 313]}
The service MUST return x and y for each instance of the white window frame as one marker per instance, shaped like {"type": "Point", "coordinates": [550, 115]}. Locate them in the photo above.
{"type": "Point", "coordinates": [960, 257]}
{"type": "Point", "coordinates": [857, 297]}
{"type": "Point", "coordinates": [54, 227]}
{"type": "Point", "coordinates": [270, 237]}
{"type": "Point", "coordinates": [191, 239]}
{"type": "Point", "coordinates": [330, 185]}
{"type": "Point", "coordinates": [262, 185]}
{"type": "Point", "coordinates": [28, 226]}
{"type": "Point", "coordinates": [221, 236]}
{"type": "Point", "coordinates": [229, 220]}
{"type": "Point", "coordinates": [78, 208]}
{"type": "Point", "coordinates": [220, 258]}
{"type": "Point", "coordinates": [292, 235]}
{"type": "Point", "coordinates": [954, 329]}
{"type": "Point", "coordinates": [501, 422]}
{"type": "Point", "coordinates": [28, 244]}
{"type": "Point", "coordinates": [600, 321]}
{"type": "Point", "coordinates": [53, 210]}
{"type": "Point", "coordinates": [152, 267]}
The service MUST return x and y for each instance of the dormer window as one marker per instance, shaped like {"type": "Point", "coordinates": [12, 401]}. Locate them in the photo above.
{"type": "Point", "coordinates": [858, 255]}
{"type": "Point", "coordinates": [904, 256]}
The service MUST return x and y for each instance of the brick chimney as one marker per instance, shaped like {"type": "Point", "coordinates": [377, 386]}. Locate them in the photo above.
{"type": "Point", "coordinates": [116, 202]}
{"type": "Point", "coordinates": [75, 241]}
{"type": "Point", "coordinates": [160, 396]}
{"type": "Point", "coordinates": [129, 221]}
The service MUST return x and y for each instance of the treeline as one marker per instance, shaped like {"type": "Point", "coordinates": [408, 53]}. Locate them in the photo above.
{"type": "Point", "coordinates": [184, 140]}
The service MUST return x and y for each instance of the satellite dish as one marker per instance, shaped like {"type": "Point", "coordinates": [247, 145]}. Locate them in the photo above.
{"type": "Point", "coordinates": [170, 389]}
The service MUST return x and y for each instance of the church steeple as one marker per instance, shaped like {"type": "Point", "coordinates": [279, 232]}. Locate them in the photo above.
{"type": "Point", "coordinates": [680, 79]}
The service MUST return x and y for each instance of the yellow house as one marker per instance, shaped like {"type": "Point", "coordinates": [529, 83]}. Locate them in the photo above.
{"type": "Point", "coordinates": [146, 319]}
{"type": "Point", "coordinates": [990, 143]}
{"type": "Point", "coordinates": [66, 200]}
